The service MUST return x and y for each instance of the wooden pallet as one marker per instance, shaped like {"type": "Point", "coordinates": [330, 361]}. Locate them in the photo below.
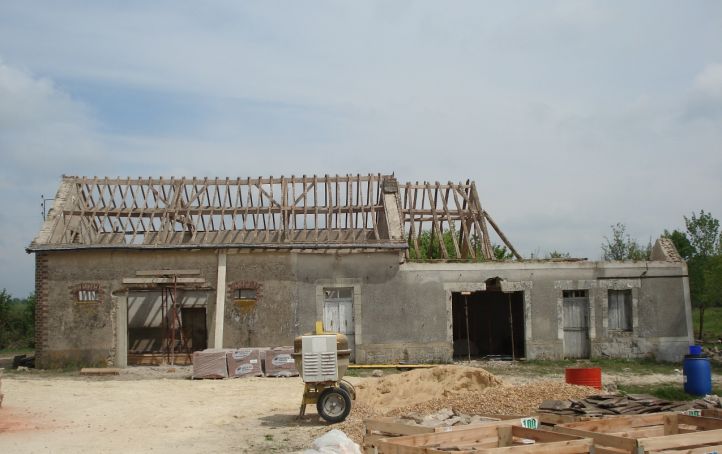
{"type": "Point", "coordinates": [157, 359]}
{"type": "Point", "coordinates": [491, 439]}
{"type": "Point", "coordinates": [387, 427]}
{"type": "Point", "coordinates": [658, 432]}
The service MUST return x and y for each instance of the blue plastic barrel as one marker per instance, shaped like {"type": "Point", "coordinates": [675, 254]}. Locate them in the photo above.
{"type": "Point", "coordinates": [697, 375]}
{"type": "Point", "coordinates": [695, 350]}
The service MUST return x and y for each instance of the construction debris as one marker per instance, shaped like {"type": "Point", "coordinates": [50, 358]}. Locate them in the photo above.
{"type": "Point", "coordinates": [618, 404]}
{"type": "Point", "coordinates": [446, 417]}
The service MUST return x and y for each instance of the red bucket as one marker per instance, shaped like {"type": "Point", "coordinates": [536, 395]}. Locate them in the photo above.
{"type": "Point", "coordinates": [584, 376]}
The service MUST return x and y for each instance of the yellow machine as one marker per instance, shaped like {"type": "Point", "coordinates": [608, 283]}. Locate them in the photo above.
{"type": "Point", "coordinates": [322, 360]}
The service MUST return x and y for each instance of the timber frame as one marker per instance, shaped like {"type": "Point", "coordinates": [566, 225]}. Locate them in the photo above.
{"type": "Point", "coordinates": [369, 212]}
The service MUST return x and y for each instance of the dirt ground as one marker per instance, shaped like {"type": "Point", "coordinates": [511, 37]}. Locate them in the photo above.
{"type": "Point", "coordinates": [159, 410]}
{"type": "Point", "coordinates": [143, 410]}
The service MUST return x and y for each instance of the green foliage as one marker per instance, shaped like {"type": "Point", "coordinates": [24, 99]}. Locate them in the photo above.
{"type": "Point", "coordinates": [663, 391]}
{"type": "Point", "coordinates": [704, 259]}
{"type": "Point", "coordinates": [681, 242]}
{"type": "Point", "coordinates": [17, 321]}
{"type": "Point", "coordinates": [558, 255]}
{"type": "Point", "coordinates": [501, 253]}
{"type": "Point", "coordinates": [430, 248]}
{"type": "Point", "coordinates": [622, 247]}
{"type": "Point", "coordinates": [703, 233]}
{"type": "Point", "coordinates": [712, 323]}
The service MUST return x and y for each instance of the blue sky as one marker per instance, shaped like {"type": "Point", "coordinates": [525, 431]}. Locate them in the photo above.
{"type": "Point", "coordinates": [570, 116]}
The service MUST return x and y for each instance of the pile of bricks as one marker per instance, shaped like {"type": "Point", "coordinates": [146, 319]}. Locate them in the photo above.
{"type": "Point", "coordinates": [244, 362]}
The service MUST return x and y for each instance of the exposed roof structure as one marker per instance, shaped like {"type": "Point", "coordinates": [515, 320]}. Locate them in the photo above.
{"type": "Point", "coordinates": [328, 212]}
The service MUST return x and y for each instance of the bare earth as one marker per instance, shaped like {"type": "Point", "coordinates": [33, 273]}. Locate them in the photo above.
{"type": "Point", "coordinates": [131, 413]}
{"type": "Point", "coordinates": [161, 410]}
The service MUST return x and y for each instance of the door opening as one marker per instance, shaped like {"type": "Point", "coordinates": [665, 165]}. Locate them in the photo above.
{"type": "Point", "coordinates": [150, 324]}
{"type": "Point", "coordinates": [496, 324]}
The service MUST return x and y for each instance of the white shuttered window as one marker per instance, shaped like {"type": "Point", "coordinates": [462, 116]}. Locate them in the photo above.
{"type": "Point", "coordinates": [620, 310]}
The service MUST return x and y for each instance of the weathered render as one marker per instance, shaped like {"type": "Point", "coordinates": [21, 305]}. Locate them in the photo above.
{"type": "Point", "coordinates": [138, 270]}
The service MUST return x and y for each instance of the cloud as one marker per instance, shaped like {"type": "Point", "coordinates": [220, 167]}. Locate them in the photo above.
{"type": "Point", "coordinates": [705, 98]}
{"type": "Point", "coordinates": [43, 133]}
{"type": "Point", "coordinates": [569, 115]}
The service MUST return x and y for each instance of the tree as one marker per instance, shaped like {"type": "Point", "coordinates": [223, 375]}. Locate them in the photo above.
{"type": "Point", "coordinates": [681, 242]}
{"type": "Point", "coordinates": [703, 232]}
{"type": "Point", "coordinates": [704, 260]}
{"type": "Point", "coordinates": [17, 321]}
{"type": "Point", "coordinates": [622, 247]}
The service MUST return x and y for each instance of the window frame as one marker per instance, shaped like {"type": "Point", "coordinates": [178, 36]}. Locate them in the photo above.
{"type": "Point", "coordinates": [613, 298]}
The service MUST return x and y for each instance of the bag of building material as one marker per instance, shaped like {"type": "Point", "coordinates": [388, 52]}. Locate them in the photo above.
{"type": "Point", "coordinates": [279, 362]}
{"type": "Point", "coordinates": [244, 362]}
{"type": "Point", "coordinates": [210, 364]}
{"type": "Point", "coordinates": [334, 442]}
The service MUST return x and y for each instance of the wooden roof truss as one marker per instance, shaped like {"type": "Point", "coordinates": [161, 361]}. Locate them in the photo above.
{"type": "Point", "coordinates": [448, 220]}
{"type": "Point", "coordinates": [258, 211]}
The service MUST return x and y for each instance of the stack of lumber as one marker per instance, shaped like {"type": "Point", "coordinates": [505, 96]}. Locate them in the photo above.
{"type": "Point", "coordinates": [553, 411]}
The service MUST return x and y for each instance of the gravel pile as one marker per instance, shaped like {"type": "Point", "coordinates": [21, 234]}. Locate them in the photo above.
{"type": "Point", "coordinates": [520, 400]}
{"type": "Point", "coordinates": [477, 393]}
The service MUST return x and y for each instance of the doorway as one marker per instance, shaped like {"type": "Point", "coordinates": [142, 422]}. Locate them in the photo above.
{"type": "Point", "coordinates": [495, 321]}
{"type": "Point", "coordinates": [152, 331]}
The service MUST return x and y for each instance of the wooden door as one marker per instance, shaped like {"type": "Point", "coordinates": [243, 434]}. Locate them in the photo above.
{"type": "Point", "coordinates": [576, 324]}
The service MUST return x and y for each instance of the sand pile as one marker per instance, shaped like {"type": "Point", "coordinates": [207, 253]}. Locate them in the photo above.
{"type": "Point", "coordinates": [420, 385]}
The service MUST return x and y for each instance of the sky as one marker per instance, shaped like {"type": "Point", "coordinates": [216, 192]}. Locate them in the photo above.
{"type": "Point", "coordinates": [569, 115]}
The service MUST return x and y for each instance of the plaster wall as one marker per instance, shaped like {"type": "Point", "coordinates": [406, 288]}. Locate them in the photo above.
{"type": "Point", "coordinates": [402, 311]}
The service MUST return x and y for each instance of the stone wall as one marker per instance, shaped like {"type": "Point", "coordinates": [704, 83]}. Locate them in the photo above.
{"type": "Point", "coordinates": [401, 311]}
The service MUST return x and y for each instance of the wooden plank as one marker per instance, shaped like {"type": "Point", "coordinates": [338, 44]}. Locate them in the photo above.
{"type": "Point", "coordinates": [505, 436]}
{"type": "Point", "coordinates": [688, 440]}
{"type": "Point", "coordinates": [602, 439]}
{"type": "Point", "coordinates": [176, 272]}
{"type": "Point", "coordinates": [99, 371]}
{"type": "Point", "coordinates": [701, 422]}
{"type": "Point", "coordinates": [708, 449]}
{"type": "Point", "coordinates": [163, 280]}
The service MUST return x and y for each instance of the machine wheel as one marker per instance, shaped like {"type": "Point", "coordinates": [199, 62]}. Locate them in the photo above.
{"type": "Point", "coordinates": [334, 404]}
{"type": "Point", "coordinates": [348, 387]}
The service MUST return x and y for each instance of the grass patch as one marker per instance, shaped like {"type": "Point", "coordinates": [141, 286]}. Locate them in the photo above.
{"type": "Point", "coordinates": [712, 323]}
{"type": "Point", "coordinates": [621, 366]}
{"type": "Point", "coordinates": [10, 352]}
{"type": "Point", "coordinates": [666, 391]}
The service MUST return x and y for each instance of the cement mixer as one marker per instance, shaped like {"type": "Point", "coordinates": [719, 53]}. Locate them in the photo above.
{"type": "Point", "coordinates": [322, 360]}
